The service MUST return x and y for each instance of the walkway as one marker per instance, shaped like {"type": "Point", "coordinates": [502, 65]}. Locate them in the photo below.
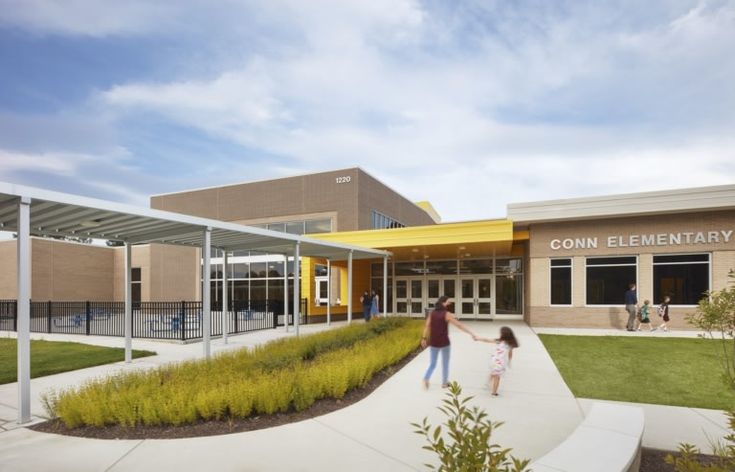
{"type": "Point", "coordinates": [373, 434]}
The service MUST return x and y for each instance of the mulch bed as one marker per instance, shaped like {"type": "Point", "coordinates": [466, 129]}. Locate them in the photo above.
{"type": "Point", "coordinates": [234, 425]}
{"type": "Point", "coordinates": [652, 460]}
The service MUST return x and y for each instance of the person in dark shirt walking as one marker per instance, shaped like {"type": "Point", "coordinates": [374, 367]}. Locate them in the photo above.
{"type": "Point", "coordinates": [631, 306]}
{"type": "Point", "coordinates": [436, 336]}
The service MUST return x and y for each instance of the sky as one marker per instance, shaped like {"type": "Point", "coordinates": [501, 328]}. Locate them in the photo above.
{"type": "Point", "coordinates": [470, 105]}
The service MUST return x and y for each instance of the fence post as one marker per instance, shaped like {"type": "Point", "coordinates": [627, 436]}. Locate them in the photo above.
{"type": "Point", "coordinates": [49, 306]}
{"type": "Point", "coordinates": [182, 323]}
{"type": "Point", "coordinates": [275, 314]}
{"type": "Point", "coordinates": [89, 314]}
{"type": "Point", "coordinates": [237, 316]}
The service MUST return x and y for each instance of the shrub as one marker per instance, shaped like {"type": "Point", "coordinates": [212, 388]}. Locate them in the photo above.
{"type": "Point", "coordinates": [280, 376]}
{"type": "Point", "coordinates": [463, 442]}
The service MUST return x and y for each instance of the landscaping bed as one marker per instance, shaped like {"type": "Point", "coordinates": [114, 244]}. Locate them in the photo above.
{"type": "Point", "coordinates": [53, 357]}
{"type": "Point", "coordinates": [280, 382]}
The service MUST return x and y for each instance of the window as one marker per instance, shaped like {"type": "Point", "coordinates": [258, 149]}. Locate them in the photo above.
{"type": "Point", "coordinates": [135, 285]}
{"type": "Point", "coordinates": [684, 278]}
{"type": "Point", "coordinates": [318, 226]}
{"type": "Point", "coordinates": [608, 279]}
{"type": "Point", "coordinates": [561, 281]}
{"type": "Point", "coordinates": [380, 221]}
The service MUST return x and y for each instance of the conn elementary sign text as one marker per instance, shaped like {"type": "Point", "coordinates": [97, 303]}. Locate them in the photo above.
{"type": "Point", "coordinates": [641, 240]}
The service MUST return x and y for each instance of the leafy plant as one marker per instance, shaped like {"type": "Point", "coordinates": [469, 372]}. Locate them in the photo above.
{"type": "Point", "coordinates": [716, 317]}
{"type": "Point", "coordinates": [462, 443]}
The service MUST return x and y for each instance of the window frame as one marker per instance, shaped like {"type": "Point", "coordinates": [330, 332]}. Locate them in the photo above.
{"type": "Point", "coordinates": [571, 280]}
{"type": "Point", "coordinates": [709, 271]}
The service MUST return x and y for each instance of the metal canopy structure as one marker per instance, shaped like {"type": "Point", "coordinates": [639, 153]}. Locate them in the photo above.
{"type": "Point", "coordinates": [37, 212]}
{"type": "Point", "coordinates": [59, 214]}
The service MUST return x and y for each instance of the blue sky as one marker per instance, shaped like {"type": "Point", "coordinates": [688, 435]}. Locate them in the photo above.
{"type": "Point", "coordinates": [501, 101]}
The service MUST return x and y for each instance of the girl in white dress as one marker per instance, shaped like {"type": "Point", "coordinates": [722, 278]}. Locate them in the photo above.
{"type": "Point", "coordinates": [502, 355]}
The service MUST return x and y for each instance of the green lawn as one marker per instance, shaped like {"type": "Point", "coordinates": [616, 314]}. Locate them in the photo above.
{"type": "Point", "coordinates": [671, 371]}
{"type": "Point", "coordinates": [50, 357]}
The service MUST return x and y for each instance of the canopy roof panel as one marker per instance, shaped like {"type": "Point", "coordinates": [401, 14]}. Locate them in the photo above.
{"type": "Point", "coordinates": [60, 214]}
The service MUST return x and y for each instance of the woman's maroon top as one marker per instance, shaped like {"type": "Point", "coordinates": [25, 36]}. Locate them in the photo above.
{"type": "Point", "coordinates": [439, 331]}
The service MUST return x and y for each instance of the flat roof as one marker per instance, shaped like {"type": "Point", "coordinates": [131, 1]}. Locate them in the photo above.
{"type": "Point", "coordinates": [61, 214]}
{"type": "Point", "coordinates": [720, 197]}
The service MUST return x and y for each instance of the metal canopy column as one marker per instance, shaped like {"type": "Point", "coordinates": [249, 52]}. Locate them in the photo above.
{"type": "Point", "coordinates": [385, 285]}
{"type": "Point", "coordinates": [128, 302]}
{"type": "Point", "coordinates": [296, 285]}
{"type": "Point", "coordinates": [285, 293]}
{"type": "Point", "coordinates": [24, 310]}
{"type": "Point", "coordinates": [206, 289]}
{"type": "Point", "coordinates": [329, 292]}
{"type": "Point", "coordinates": [349, 287]}
{"type": "Point", "coordinates": [225, 304]}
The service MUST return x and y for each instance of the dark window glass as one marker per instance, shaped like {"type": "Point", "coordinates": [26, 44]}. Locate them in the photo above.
{"type": "Point", "coordinates": [275, 269]}
{"type": "Point", "coordinates": [610, 260]}
{"type": "Point", "coordinates": [240, 270]}
{"type": "Point", "coordinates": [277, 227]}
{"type": "Point", "coordinates": [686, 284]}
{"type": "Point", "coordinates": [607, 285]}
{"type": "Point", "coordinates": [275, 289]}
{"type": "Point", "coordinates": [295, 227]}
{"type": "Point", "coordinates": [561, 262]}
{"type": "Point", "coordinates": [376, 269]}
{"type": "Point", "coordinates": [215, 271]}
{"type": "Point", "coordinates": [561, 285]}
{"type": "Point", "coordinates": [240, 253]}
{"type": "Point", "coordinates": [135, 291]}
{"type": "Point", "coordinates": [257, 270]}
{"type": "Point", "coordinates": [479, 266]}
{"type": "Point", "coordinates": [320, 270]}
{"type": "Point", "coordinates": [441, 267]}
{"type": "Point", "coordinates": [135, 274]}
{"type": "Point", "coordinates": [258, 290]}
{"type": "Point", "coordinates": [509, 266]}
{"type": "Point", "coordinates": [682, 258]}
{"type": "Point", "coordinates": [318, 226]}
{"type": "Point", "coordinates": [409, 268]}
{"type": "Point", "coordinates": [240, 290]}
{"type": "Point", "coordinates": [509, 295]}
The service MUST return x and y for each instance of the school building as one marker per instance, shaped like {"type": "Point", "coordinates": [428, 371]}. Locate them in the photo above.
{"type": "Point", "coordinates": [552, 263]}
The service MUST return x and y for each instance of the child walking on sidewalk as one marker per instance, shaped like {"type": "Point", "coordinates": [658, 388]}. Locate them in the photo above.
{"type": "Point", "coordinates": [502, 356]}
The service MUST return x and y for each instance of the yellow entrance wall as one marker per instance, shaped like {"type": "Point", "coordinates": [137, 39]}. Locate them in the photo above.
{"type": "Point", "coordinates": [360, 283]}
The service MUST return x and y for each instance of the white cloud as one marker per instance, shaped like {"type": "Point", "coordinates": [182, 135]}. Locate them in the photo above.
{"type": "Point", "coordinates": [501, 101]}
{"type": "Point", "coordinates": [87, 17]}
{"type": "Point", "coordinates": [63, 164]}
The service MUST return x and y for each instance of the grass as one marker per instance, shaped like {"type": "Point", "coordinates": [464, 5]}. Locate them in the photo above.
{"type": "Point", "coordinates": [672, 371]}
{"type": "Point", "coordinates": [280, 376]}
{"type": "Point", "coordinates": [51, 357]}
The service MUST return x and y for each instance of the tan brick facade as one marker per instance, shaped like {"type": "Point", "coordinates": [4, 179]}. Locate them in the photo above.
{"type": "Point", "coordinates": [348, 202]}
{"type": "Point", "coordinates": [582, 234]}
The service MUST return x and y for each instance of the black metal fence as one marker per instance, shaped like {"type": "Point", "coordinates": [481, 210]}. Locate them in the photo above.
{"type": "Point", "coordinates": [154, 320]}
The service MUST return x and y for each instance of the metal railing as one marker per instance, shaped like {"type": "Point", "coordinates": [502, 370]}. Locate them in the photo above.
{"type": "Point", "coordinates": [153, 320]}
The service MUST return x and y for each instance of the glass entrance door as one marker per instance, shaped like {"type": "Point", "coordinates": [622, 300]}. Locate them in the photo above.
{"type": "Point", "coordinates": [438, 286]}
{"type": "Point", "coordinates": [410, 297]}
{"type": "Point", "coordinates": [475, 300]}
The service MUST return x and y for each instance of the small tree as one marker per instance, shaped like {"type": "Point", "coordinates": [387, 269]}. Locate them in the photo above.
{"type": "Point", "coordinates": [467, 445]}
{"type": "Point", "coordinates": [716, 317]}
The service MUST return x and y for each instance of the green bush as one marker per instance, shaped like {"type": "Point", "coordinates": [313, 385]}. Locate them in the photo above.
{"type": "Point", "coordinates": [466, 445]}
{"type": "Point", "coordinates": [280, 376]}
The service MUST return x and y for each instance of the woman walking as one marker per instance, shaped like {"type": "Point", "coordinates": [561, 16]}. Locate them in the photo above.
{"type": "Point", "coordinates": [436, 336]}
{"type": "Point", "coordinates": [374, 310]}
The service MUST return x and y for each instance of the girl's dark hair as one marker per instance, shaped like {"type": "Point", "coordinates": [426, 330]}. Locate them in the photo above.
{"type": "Point", "coordinates": [439, 305]}
{"type": "Point", "coordinates": [506, 334]}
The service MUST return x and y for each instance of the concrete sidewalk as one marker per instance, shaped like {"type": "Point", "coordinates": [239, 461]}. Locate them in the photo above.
{"type": "Point", "coordinates": [538, 409]}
